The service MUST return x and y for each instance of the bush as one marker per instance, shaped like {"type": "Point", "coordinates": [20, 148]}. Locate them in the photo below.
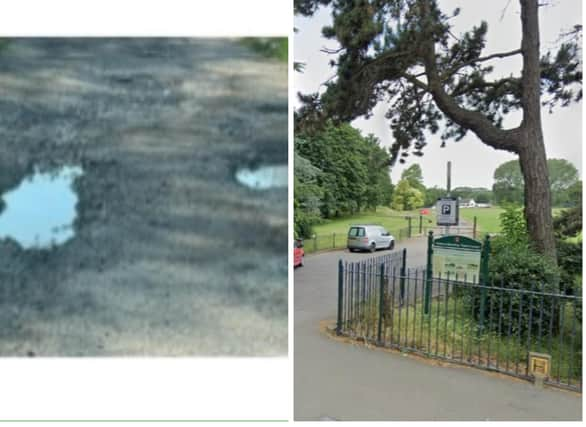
{"type": "Point", "coordinates": [517, 266]}
{"type": "Point", "coordinates": [514, 226]}
{"type": "Point", "coordinates": [303, 228]}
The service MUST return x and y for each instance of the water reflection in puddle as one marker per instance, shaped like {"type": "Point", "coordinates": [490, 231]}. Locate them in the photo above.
{"type": "Point", "coordinates": [264, 177]}
{"type": "Point", "coordinates": [41, 210]}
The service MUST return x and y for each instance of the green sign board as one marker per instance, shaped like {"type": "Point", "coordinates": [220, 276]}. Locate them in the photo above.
{"type": "Point", "coordinates": [457, 257]}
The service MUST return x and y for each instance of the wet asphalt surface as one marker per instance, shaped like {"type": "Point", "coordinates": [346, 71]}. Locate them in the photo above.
{"type": "Point", "coordinates": [172, 257]}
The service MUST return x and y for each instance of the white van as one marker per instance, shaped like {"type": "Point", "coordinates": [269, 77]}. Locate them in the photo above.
{"type": "Point", "coordinates": [369, 237]}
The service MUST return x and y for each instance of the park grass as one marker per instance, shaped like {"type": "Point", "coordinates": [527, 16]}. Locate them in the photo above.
{"type": "Point", "coordinates": [331, 233]}
{"type": "Point", "coordinates": [488, 220]}
{"type": "Point", "coordinates": [451, 332]}
{"type": "Point", "coordinates": [388, 218]}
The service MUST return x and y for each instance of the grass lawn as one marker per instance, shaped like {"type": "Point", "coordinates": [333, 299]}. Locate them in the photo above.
{"type": "Point", "coordinates": [388, 218]}
{"type": "Point", "coordinates": [332, 232]}
{"type": "Point", "coordinates": [487, 218]}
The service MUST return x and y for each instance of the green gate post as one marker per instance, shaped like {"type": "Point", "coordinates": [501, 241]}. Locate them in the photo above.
{"type": "Point", "coordinates": [484, 278]}
{"type": "Point", "coordinates": [314, 243]}
{"type": "Point", "coordinates": [334, 247]}
{"type": "Point", "coordinates": [381, 303]}
{"type": "Point", "coordinates": [409, 232]}
{"type": "Point", "coordinates": [429, 273]}
{"type": "Point", "coordinates": [403, 274]}
{"type": "Point", "coordinates": [420, 224]}
{"type": "Point", "coordinates": [340, 296]}
{"type": "Point", "coordinates": [474, 229]}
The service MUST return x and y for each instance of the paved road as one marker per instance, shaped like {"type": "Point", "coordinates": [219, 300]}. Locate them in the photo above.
{"type": "Point", "coordinates": [335, 380]}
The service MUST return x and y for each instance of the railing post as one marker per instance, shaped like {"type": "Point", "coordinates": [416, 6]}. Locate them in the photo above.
{"type": "Point", "coordinates": [340, 296]}
{"type": "Point", "coordinates": [484, 278]}
{"type": "Point", "coordinates": [429, 274]}
{"type": "Point", "coordinates": [334, 246]}
{"type": "Point", "coordinates": [403, 273]}
{"type": "Point", "coordinates": [474, 228]}
{"type": "Point", "coordinates": [409, 232]}
{"type": "Point", "coordinates": [381, 302]}
{"type": "Point", "coordinates": [420, 224]}
{"type": "Point", "coordinates": [315, 243]}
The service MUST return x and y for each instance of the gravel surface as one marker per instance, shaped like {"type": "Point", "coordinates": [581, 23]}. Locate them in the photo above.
{"type": "Point", "coordinates": [172, 256]}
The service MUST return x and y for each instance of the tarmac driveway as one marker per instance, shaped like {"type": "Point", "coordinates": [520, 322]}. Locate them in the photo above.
{"type": "Point", "coordinates": [341, 381]}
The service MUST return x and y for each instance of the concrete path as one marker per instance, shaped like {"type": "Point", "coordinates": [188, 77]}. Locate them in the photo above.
{"type": "Point", "coordinates": [335, 380]}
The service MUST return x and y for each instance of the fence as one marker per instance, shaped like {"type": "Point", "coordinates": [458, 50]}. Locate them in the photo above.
{"type": "Point", "coordinates": [490, 327]}
{"type": "Point", "coordinates": [415, 226]}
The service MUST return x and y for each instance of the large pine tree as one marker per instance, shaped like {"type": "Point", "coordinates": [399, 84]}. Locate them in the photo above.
{"type": "Point", "coordinates": [403, 52]}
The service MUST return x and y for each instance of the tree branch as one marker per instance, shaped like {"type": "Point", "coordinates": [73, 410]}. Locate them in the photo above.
{"type": "Point", "coordinates": [469, 119]}
{"type": "Point", "coordinates": [331, 51]}
{"type": "Point", "coordinates": [415, 81]}
{"type": "Point", "coordinates": [453, 70]}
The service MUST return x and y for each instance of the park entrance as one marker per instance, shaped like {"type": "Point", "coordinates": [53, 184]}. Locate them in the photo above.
{"type": "Point", "coordinates": [476, 322]}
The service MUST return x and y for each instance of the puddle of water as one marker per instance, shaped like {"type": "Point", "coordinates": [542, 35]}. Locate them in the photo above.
{"type": "Point", "coordinates": [40, 211]}
{"type": "Point", "coordinates": [264, 177]}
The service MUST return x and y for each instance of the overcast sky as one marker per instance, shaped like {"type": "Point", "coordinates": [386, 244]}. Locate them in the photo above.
{"type": "Point", "coordinates": [473, 163]}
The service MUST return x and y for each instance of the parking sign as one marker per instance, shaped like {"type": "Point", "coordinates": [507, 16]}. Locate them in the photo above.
{"type": "Point", "coordinates": [447, 211]}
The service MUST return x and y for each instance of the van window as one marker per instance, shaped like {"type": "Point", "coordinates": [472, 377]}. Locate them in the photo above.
{"type": "Point", "coordinates": [356, 232]}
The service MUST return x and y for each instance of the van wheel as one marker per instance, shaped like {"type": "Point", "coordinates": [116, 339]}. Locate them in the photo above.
{"type": "Point", "coordinates": [372, 247]}
{"type": "Point", "coordinates": [392, 245]}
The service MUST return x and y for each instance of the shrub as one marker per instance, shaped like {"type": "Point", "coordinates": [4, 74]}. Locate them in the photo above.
{"type": "Point", "coordinates": [513, 225]}
{"type": "Point", "coordinates": [518, 267]}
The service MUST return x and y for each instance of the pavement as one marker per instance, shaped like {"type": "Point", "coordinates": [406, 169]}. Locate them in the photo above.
{"type": "Point", "coordinates": [337, 380]}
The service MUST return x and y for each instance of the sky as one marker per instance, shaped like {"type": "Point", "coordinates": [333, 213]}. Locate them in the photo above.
{"type": "Point", "coordinates": [473, 163]}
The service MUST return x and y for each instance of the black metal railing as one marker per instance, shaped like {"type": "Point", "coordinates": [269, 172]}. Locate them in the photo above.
{"type": "Point", "coordinates": [491, 327]}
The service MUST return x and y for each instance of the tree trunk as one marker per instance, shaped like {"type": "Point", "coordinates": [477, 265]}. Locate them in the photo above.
{"type": "Point", "coordinates": [533, 163]}
{"type": "Point", "coordinates": [531, 151]}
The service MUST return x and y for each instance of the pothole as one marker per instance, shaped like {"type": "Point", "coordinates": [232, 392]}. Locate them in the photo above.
{"type": "Point", "coordinates": [40, 212]}
{"type": "Point", "coordinates": [263, 177]}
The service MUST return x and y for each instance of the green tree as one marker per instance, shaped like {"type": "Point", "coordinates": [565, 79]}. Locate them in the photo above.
{"type": "Point", "coordinates": [562, 176]}
{"type": "Point", "coordinates": [575, 194]}
{"type": "Point", "coordinates": [406, 198]}
{"type": "Point", "coordinates": [414, 176]}
{"type": "Point", "coordinates": [307, 196]}
{"type": "Point", "coordinates": [509, 183]}
{"type": "Point", "coordinates": [432, 194]}
{"type": "Point", "coordinates": [479, 194]}
{"type": "Point", "coordinates": [405, 51]}
{"type": "Point", "coordinates": [354, 169]}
